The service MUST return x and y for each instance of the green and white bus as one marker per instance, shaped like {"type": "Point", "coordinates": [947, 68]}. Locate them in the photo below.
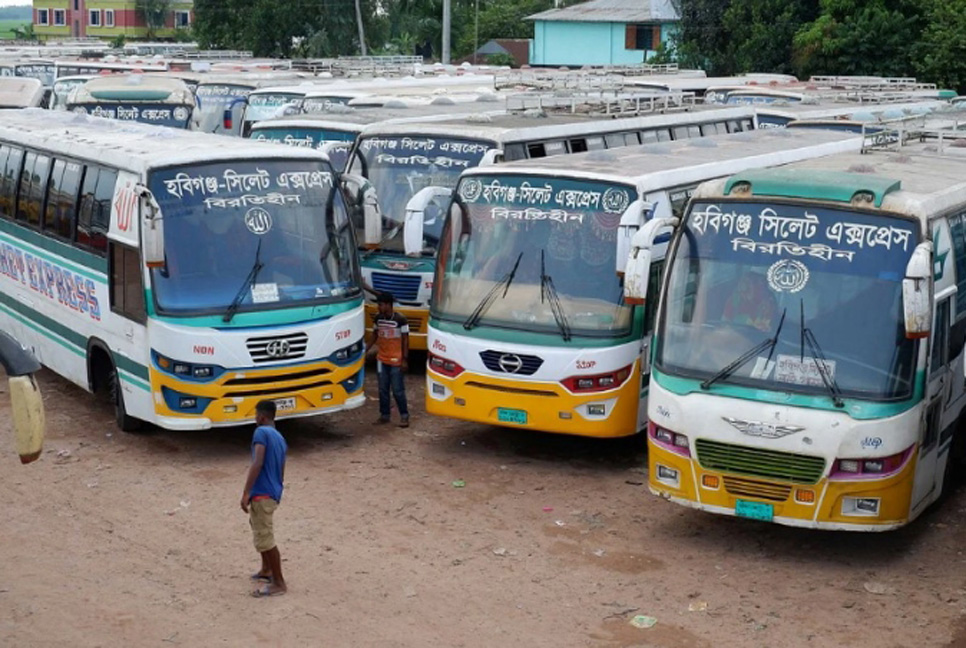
{"type": "Point", "coordinates": [140, 98]}
{"type": "Point", "coordinates": [808, 367]}
{"type": "Point", "coordinates": [186, 275]}
{"type": "Point", "coordinates": [528, 327]}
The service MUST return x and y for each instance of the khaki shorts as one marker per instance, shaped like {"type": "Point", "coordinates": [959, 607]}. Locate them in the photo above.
{"type": "Point", "coordinates": [260, 517]}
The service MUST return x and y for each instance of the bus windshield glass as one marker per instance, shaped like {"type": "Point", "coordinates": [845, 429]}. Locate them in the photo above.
{"type": "Point", "coordinates": [61, 90]}
{"type": "Point", "coordinates": [213, 99]}
{"type": "Point", "coordinates": [269, 104]}
{"type": "Point", "coordinates": [516, 248]}
{"type": "Point", "coordinates": [790, 298]}
{"type": "Point", "coordinates": [260, 235]}
{"type": "Point", "coordinates": [399, 167]}
{"type": "Point", "coordinates": [301, 136]}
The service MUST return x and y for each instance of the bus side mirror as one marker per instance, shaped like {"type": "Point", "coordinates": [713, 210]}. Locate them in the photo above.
{"type": "Point", "coordinates": [418, 214]}
{"type": "Point", "coordinates": [153, 229]}
{"type": "Point", "coordinates": [362, 196]}
{"type": "Point", "coordinates": [631, 221]}
{"type": "Point", "coordinates": [26, 402]}
{"type": "Point", "coordinates": [637, 271]}
{"type": "Point", "coordinates": [491, 157]}
{"type": "Point", "coordinates": [917, 292]}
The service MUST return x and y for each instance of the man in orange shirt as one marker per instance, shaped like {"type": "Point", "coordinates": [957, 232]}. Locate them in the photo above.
{"type": "Point", "coordinates": [390, 344]}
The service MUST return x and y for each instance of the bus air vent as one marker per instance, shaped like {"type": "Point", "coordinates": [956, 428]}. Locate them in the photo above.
{"type": "Point", "coordinates": [759, 462]}
{"type": "Point", "coordinates": [512, 363]}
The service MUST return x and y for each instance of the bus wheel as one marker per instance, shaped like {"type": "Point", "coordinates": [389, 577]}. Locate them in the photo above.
{"type": "Point", "coordinates": [124, 421]}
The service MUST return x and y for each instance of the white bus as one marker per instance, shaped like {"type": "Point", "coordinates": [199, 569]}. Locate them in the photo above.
{"type": "Point", "coordinates": [808, 364]}
{"type": "Point", "coordinates": [135, 97]}
{"type": "Point", "coordinates": [411, 168]}
{"type": "Point", "coordinates": [187, 275]}
{"type": "Point", "coordinates": [528, 327]}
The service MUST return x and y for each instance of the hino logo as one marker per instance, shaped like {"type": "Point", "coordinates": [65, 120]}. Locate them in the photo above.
{"type": "Point", "coordinates": [510, 363]}
{"type": "Point", "coordinates": [764, 430]}
{"type": "Point", "coordinates": [277, 349]}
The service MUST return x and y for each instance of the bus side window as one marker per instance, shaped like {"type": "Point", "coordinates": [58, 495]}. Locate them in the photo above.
{"type": "Point", "coordinates": [33, 185]}
{"type": "Point", "coordinates": [127, 283]}
{"type": "Point", "coordinates": [595, 143]}
{"type": "Point", "coordinates": [536, 150]}
{"type": "Point", "coordinates": [514, 152]}
{"type": "Point", "coordinates": [578, 145]}
{"type": "Point", "coordinates": [614, 140]}
{"type": "Point", "coordinates": [649, 136]}
{"type": "Point", "coordinates": [61, 214]}
{"type": "Point", "coordinates": [93, 218]}
{"type": "Point", "coordinates": [10, 159]}
{"type": "Point", "coordinates": [680, 132]}
{"type": "Point", "coordinates": [710, 129]}
{"type": "Point", "coordinates": [734, 126]}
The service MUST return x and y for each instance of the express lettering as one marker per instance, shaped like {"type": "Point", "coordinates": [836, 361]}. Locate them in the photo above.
{"type": "Point", "coordinates": [50, 280]}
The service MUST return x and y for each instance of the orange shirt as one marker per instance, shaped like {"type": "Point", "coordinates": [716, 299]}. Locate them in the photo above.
{"type": "Point", "coordinates": [389, 336]}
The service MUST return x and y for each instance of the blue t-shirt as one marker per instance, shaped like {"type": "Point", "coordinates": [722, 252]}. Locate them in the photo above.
{"type": "Point", "coordinates": [269, 481]}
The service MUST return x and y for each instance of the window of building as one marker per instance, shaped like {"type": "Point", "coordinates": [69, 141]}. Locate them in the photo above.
{"type": "Point", "coordinates": [60, 216]}
{"type": "Point", "coordinates": [60, 17]}
{"type": "Point", "coordinates": [108, 17]}
{"type": "Point", "coordinates": [33, 183]}
{"type": "Point", "coordinates": [127, 282]}
{"type": "Point", "coordinates": [95, 18]}
{"type": "Point", "coordinates": [182, 18]}
{"type": "Point", "coordinates": [642, 37]}
{"type": "Point", "coordinates": [43, 16]}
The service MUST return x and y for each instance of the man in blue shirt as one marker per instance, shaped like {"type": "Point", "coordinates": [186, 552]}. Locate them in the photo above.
{"type": "Point", "coordinates": [262, 494]}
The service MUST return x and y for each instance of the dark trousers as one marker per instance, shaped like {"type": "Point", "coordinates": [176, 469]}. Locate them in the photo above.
{"type": "Point", "coordinates": [391, 378]}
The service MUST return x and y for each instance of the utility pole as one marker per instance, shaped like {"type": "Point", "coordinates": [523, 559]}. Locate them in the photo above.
{"type": "Point", "coordinates": [447, 10]}
{"type": "Point", "coordinates": [361, 27]}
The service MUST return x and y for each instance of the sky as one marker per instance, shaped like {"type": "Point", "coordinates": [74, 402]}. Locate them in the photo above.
{"type": "Point", "coordinates": [12, 3]}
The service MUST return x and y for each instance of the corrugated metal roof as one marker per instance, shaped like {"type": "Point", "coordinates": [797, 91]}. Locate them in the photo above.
{"type": "Point", "coordinates": [622, 11]}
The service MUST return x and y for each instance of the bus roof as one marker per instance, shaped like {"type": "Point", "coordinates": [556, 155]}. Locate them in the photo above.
{"type": "Point", "coordinates": [918, 179]}
{"type": "Point", "coordinates": [132, 146]}
{"type": "Point", "coordinates": [132, 87]}
{"type": "Point", "coordinates": [526, 126]}
{"type": "Point", "coordinates": [683, 162]}
{"type": "Point", "coordinates": [358, 119]}
{"type": "Point", "coordinates": [851, 110]}
{"type": "Point", "coordinates": [20, 92]}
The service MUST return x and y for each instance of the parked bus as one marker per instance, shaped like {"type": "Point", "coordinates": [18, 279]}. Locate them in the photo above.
{"type": "Point", "coordinates": [808, 362]}
{"type": "Point", "coordinates": [216, 94]}
{"type": "Point", "coordinates": [71, 67]}
{"type": "Point", "coordinates": [421, 162]}
{"type": "Point", "coordinates": [62, 89]}
{"type": "Point", "coordinates": [186, 275]}
{"type": "Point", "coordinates": [528, 327]}
{"type": "Point", "coordinates": [20, 92]}
{"type": "Point", "coordinates": [135, 97]}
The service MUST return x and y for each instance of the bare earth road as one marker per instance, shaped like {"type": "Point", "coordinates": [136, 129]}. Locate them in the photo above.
{"type": "Point", "coordinates": [114, 539]}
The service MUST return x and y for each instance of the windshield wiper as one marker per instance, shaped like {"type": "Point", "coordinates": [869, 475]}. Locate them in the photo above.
{"type": "Point", "coordinates": [547, 288]}
{"type": "Point", "coordinates": [821, 363]}
{"type": "Point", "coordinates": [768, 343]}
{"type": "Point", "coordinates": [249, 282]}
{"type": "Point", "coordinates": [488, 298]}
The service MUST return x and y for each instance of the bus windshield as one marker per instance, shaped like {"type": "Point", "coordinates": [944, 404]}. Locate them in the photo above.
{"type": "Point", "coordinates": [213, 99]}
{"type": "Point", "coordinates": [762, 294]}
{"type": "Point", "coordinates": [260, 235]}
{"type": "Point", "coordinates": [542, 244]}
{"type": "Point", "coordinates": [399, 167]}
{"type": "Point", "coordinates": [269, 104]}
{"type": "Point", "coordinates": [62, 89]}
{"type": "Point", "coordinates": [301, 136]}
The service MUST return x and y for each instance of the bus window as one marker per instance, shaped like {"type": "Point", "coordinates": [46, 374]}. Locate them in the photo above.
{"type": "Point", "coordinates": [61, 214]}
{"type": "Point", "coordinates": [734, 126]}
{"type": "Point", "coordinates": [614, 140]}
{"type": "Point", "coordinates": [631, 139]}
{"type": "Point", "coordinates": [95, 208]}
{"type": "Point", "coordinates": [710, 129]}
{"type": "Point", "coordinates": [33, 182]}
{"type": "Point", "coordinates": [680, 132]}
{"type": "Point", "coordinates": [127, 283]}
{"type": "Point", "coordinates": [595, 143]}
{"type": "Point", "coordinates": [663, 135]}
{"type": "Point", "coordinates": [536, 150]}
{"type": "Point", "coordinates": [648, 136]}
{"type": "Point", "coordinates": [514, 152]}
{"type": "Point", "coordinates": [10, 161]}
{"type": "Point", "coordinates": [555, 148]}
{"type": "Point", "coordinates": [578, 145]}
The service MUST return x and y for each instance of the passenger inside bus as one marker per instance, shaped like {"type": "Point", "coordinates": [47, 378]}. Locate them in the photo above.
{"type": "Point", "coordinates": [752, 303]}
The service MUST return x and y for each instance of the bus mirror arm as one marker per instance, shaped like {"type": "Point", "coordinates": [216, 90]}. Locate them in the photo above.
{"type": "Point", "coordinates": [631, 221]}
{"type": "Point", "coordinates": [362, 197]}
{"type": "Point", "coordinates": [917, 292]}
{"type": "Point", "coordinates": [416, 217]}
{"type": "Point", "coordinates": [153, 228]}
{"type": "Point", "coordinates": [27, 404]}
{"type": "Point", "coordinates": [637, 271]}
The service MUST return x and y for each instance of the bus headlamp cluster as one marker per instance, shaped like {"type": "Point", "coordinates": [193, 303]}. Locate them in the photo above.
{"type": "Point", "coordinates": [878, 466]}
{"type": "Point", "coordinates": [597, 382]}
{"type": "Point", "coordinates": [443, 366]}
{"type": "Point", "coordinates": [187, 369]}
{"type": "Point", "coordinates": [349, 352]}
{"type": "Point", "coordinates": [677, 443]}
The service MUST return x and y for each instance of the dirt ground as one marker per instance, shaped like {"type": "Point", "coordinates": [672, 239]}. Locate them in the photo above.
{"type": "Point", "coordinates": [115, 539]}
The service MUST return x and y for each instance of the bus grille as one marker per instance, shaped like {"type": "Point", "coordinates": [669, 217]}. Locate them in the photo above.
{"type": "Point", "coordinates": [404, 287]}
{"type": "Point", "coordinates": [757, 462]}
{"type": "Point", "coordinates": [275, 348]}
{"type": "Point", "coordinates": [760, 490]}
{"type": "Point", "coordinates": [514, 363]}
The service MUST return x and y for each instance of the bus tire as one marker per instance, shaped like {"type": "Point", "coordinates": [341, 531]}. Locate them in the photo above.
{"type": "Point", "coordinates": [125, 422]}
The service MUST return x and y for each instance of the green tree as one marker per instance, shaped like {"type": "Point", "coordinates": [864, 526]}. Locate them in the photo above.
{"type": "Point", "coordinates": [940, 55]}
{"type": "Point", "coordinates": [700, 41]}
{"type": "Point", "coordinates": [153, 12]}
{"type": "Point", "coordinates": [761, 33]}
{"type": "Point", "coordinates": [500, 19]}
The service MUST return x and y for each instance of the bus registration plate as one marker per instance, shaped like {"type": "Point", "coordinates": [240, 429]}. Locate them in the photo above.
{"type": "Point", "coordinates": [285, 403]}
{"type": "Point", "coordinates": [505, 415]}
{"type": "Point", "coordinates": [754, 510]}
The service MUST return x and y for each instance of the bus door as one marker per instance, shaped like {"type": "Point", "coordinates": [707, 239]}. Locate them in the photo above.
{"type": "Point", "coordinates": [938, 415]}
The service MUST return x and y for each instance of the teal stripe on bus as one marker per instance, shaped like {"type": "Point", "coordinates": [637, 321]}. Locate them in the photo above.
{"type": "Point", "coordinates": [28, 322]}
{"type": "Point", "coordinates": [46, 325]}
{"type": "Point", "coordinates": [87, 263]}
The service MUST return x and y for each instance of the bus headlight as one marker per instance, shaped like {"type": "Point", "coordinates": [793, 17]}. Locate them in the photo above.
{"type": "Point", "coordinates": [349, 353]}
{"type": "Point", "coordinates": [186, 369]}
{"type": "Point", "coordinates": [876, 466]}
{"type": "Point", "coordinates": [443, 366]}
{"type": "Point", "coordinates": [676, 443]}
{"type": "Point", "coordinates": [597, 382]}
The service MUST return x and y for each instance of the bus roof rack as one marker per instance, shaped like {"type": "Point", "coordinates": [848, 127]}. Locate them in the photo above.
{"type": "Point", "coordinates": [893, 134]}
{"type": "Point", "coordinates": [870, 82]}
{"type": "Point", "coordinates": [612, 103]}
